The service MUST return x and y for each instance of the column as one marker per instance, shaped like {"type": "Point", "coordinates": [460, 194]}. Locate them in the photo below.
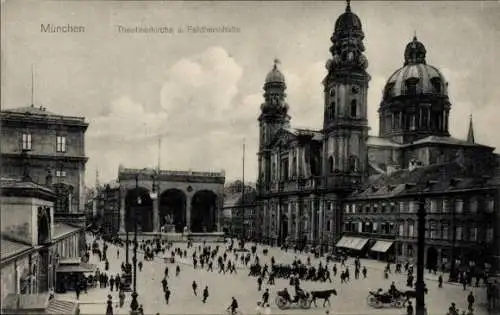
{"type": "Point", "coordinates": [341, 154]}
{"type": "Point", "coordinates": [188, 213]}
{"type": "Point", "coordinates": [156, 215]}
{"type": "Point", "coordinates": [122, 212]}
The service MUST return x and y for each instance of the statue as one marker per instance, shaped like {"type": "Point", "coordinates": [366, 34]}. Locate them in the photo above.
{"type": "Point", "coordinates": [168, 219]}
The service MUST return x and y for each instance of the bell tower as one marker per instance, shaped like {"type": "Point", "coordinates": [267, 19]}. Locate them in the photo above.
{"type": "Point", "coordinates": [273, 117]}
{"type": "Point", "coordinates": [345, 95]}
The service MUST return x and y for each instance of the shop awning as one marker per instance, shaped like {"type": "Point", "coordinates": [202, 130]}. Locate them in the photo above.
{"type": "Point", "coordinates": [342, 241]}
{"type": "Point", "coordinates": [355, 243]}
{"type": "Point", "coordinates": [81, 267]}
{"type": "Point", "coordinates": [381, 246]}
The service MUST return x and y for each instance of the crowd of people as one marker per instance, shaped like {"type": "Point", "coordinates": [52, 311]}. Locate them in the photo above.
{"type": "Point", "coordinates": [230, 259]}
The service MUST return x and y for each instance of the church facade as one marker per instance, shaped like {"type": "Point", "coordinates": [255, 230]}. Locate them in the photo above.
{"type": "Point", "coordinates": [307, 176]}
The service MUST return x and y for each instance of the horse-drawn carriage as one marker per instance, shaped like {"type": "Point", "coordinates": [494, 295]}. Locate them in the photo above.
{"type": "Point", "coordinates": [305, 300]}
{"type": "Point", "coordinates": [377, 299]}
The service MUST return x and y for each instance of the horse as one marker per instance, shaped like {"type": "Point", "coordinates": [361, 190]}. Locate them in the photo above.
{"type": "Point", "coordinates": [322, 295]}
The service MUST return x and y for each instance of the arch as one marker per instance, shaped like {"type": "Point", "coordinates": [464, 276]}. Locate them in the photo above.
{"type": "Point", "coordinates": [43, 224]}
{"type": "Point", "coordinates": [172, 208]}
{"type": "Point", "coordinates": [354, 108]}
{"type": "Point", "coordinates": [432, 258]}
{"type": "Point", "coordinates": [138, 213]}
{"type": "Point", "coordinates": [203, 211]}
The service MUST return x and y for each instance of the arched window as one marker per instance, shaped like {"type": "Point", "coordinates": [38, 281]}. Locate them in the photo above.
{"type": "Point", "coordinates": [294, 167]}
{"type": "Point", "coordinates": [353, 163]}
{"type": "Point", "coordinates": [330, 164]}
{"type": "Point", "coordinates": [411, 86]}
{"type": "Point", "coordinates": [354, 108]}
{"type": "Point", "coordinates": [331, 110]}
{"type": "Point", "coordinates": [436, 85]}
{"type": "Point", "coordinates": [332, 92]}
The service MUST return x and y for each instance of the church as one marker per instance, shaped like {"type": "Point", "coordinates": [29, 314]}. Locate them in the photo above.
{"type": "Point", "coordinates": [307, 176]}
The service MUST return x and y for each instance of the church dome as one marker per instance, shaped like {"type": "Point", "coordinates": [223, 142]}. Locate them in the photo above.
{"type": "Point", "coordinates": [416, 77]}
{"type": "Point", "coordinates": [348, 21]}
{"type": "Point", "coordinates": [275, 76]}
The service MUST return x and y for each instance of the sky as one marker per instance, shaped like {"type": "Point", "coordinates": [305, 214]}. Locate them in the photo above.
{"type": "Point", "coordinates": [201, 92]}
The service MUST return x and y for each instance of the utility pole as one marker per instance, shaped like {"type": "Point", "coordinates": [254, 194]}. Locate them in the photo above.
{"type": "Point", "coordinates": [32, 85]}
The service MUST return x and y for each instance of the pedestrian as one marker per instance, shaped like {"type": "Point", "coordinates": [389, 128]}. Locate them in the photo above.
{"type": "Point", "coordinates": [77, 289]}
{"type": "Point", "coordinates": [364, 272]}
{"type": "Point", "coordinates": [109, 306]}
{"type": "Point", "coordinates": [112, 283]}
{"type": "Point", "coordinates": [194, 286]}
{"type": "Point", "coordinates": [409, 309]}
{"type": "Point", "coordinates": [205, 294]}
{"type": "Point", "coordinates": [265, 297]}
{"type": "Point", "coordinates": [440, 281]}
{"type": "Point", "coordinates": [470, 301]}
{"type": "Point", "coordinates": [141, 310]}
{"type": "Point", "coordinates": [177, 270]}
{"type": "Point", "coordinates": [167, 294]}
{"type": "Point", "coordinates": [259, 283]}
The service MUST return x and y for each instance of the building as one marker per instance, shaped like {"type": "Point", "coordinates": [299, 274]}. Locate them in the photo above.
{"type": "Point", "coordinates": [182, 199]}
{"type": "Point", "coordinates": [32, 243]}
{"type": "Point", "coordinates": [49, 149]}
{"type": "Point", "coordinates": [306, 175]}
{"type": "Point", "coordinates": [461, 202]}
{"type": "Point", "coordinates": [106, 204]}
{"type": "Point", "coordinates": [239, 211]}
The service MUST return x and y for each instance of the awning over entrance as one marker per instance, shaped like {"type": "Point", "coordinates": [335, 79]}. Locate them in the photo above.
{"type": "Point", "coordinates": [356, 243]}
{"type": "Point", "coordinates": [381, 246]}
{"type": "Point", "coordinates": [17, 304]}
{"type": "Point", "coordinates": [80, 267]}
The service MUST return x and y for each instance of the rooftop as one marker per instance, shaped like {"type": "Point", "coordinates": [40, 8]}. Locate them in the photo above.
{"type": "Point", "coordinates": [38, 113]}
{"type": "Point", "coordinates": [10, 248]}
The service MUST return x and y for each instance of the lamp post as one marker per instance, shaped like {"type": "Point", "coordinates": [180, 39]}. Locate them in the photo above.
{"type": "Point", "coordinates": [134, 305]}
{"type": "Point", "coordinates": [420, 284]}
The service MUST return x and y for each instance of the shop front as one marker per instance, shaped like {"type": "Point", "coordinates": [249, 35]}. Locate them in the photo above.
{"type": "Point", "coordinates": [70, 273]}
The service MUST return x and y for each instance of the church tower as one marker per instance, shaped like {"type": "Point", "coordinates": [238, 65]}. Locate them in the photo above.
{"type": "Point", "coordinates": [345, 123]}
{"type": "Point", "coordinates": [273, 117]}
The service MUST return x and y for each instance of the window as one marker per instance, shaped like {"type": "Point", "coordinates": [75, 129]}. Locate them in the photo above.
{"type": "Point", "coordinates": [490, 205]}
{"type": "Point", "coordinates": [444, 233]}
{"type": "Point", "coordinates": [433, 205]}
{"type": "Point", "coordinates": [353, 209]}
{"type": "Point", "coordinates": [61, 144]}
{"type": "Point", "coordinates": [331, 110]}
{"type": "Point", "coordinates": [411, 231]}
{"type": "Point", "coordinates": [354, 108]}
{"type": "Point", "coordinates": [473, 205]}
{"type": "Point", "coordinates": [444, 207]}
{"type": "Point", "coordinates": [413, 123]}
{"type": "Point", "coordinates": [332, 92]}
{"type": "Point", "coordinates": [411, 86]}
{"type": "Point", "coordinates": [489, 235]}
{"type": "Point", "coordinates": [458, 233]}
{"type": "Point", "coordinates": [401, 229]}
{"type": "Point", "coordinates": [459, 206]}
{"type": "Point", "coordinates": [330, 164]}
{"type": "Point", "coordinates": [473, 234]}
{"type": "Point", "coordinates": [413, 206]}
{"type": "Point", "coordinates": [26, 141]}
{"type": "Point", "coordinates": [436, 85]}
{"type": "Point", "coordinates": [347, 208]}
{"type": "Point", "coordinates": [60, 173]}
{"type": "Point", "coordinates": [410, 250]}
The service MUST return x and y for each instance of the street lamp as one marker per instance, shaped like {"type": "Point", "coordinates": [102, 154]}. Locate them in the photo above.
{"type": "Point", "coordinates": [134, 305]}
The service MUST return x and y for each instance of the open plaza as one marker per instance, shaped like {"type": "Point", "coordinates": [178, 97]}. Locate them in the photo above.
{"type": "Point", "coordinates": [351, 298]}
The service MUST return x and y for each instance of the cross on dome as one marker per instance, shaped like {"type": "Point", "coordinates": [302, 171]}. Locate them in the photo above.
{"type": "Point", "coordinates": [348, 7]}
